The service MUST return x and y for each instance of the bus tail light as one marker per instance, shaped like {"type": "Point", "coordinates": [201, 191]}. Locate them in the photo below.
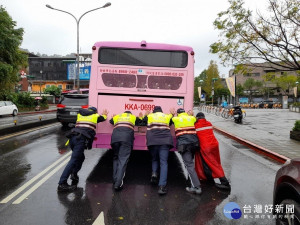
{"type": "Point", "coordinates": [60, 106]}
{"type": "Point", "coordinates": [192, 53]}
{"type": "Point", "coordinates": [94, 48]}
{"type": "Point", "coordinates": [84, 106]}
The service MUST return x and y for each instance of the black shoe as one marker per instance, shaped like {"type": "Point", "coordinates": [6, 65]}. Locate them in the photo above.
{"type": "Point", "coordinates": [223, 186]}
{"type": "Point", "coordinates": [118, 188]}
{"type": "Point", "coordinates": [75, 179]}
{"type": "Point", "coordinates": [66, 188]}
{"type": "Point", "coordinates": [162, 190]}
{"type": "Point", "coordinates": [154, 179]}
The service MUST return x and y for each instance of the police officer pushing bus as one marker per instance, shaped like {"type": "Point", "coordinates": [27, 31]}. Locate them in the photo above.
{"type": "Point", "coordinates": [81, 138]}
{"type": "Point", "coordinates": [159, 142]}
{"type": "Point", "coordinates": [122, 143]}
{"type": "Point", "coordinates": [187, 144]}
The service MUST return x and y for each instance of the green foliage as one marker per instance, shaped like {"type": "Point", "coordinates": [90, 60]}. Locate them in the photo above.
{"type": "Point", "coordinates": [239, 90]}
{"type": "Point", "coordinates": [22, 99]}
{"type": "Point", "coordinates": [271, 37]}
{"type": "Point", "coordinates": [53, 90]}
{"type": "Point", "coordinates": [211, 73]}
{"type": "Point", "coordinates": [296, 126]}
{"type": "Point", "coordinates": [251, 86]}
{"type": "Point", "coordinates": [11, 58]}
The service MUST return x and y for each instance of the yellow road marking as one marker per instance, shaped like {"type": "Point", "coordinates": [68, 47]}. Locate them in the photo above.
{"type": "Point", "coordinates": [25, 131]}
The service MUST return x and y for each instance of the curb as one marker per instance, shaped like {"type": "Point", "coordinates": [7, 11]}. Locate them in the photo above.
{"type": "Point", "coordinates": [261, 150]}
{"type": "Point", "coordinates": [36, 112]}
{"type": "Point", "coordinates": [23, 127]}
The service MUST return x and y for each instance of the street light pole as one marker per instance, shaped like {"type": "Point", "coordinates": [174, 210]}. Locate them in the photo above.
{"type": "Point", "coordinates": [297, 90]}
{"type": "Point", "coordinates": [41, 72]}
{"type": "Point", "coordinates": [213, 89]}
{"type": "Point", "coordinates": [77, 23]}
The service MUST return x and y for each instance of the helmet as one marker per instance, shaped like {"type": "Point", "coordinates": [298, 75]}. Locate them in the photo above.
{"type": "Point", "coordinates": [180, 110]}
{"type": "Point", "coordinates": [157, 109]}
{"type": "Point", "coordinates": [94, 109]}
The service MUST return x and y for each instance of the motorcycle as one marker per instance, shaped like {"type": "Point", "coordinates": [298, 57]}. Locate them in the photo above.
{"type": "Point", "coordinates": [237, 114]}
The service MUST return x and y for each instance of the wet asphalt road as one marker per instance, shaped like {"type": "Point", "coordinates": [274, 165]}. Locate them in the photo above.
{"type": "Point", "coordinates": [26, 156]}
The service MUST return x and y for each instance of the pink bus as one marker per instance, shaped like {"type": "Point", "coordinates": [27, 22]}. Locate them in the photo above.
{"type": "Point", "coordinates": [137, 76]}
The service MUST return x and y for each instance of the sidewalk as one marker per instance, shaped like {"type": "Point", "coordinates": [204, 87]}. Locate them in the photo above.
{"type": "Point", "coordinates": [267, 128]}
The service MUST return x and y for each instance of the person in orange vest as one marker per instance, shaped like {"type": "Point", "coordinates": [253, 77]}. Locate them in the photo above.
{"type": "Point", "coordinates": [207, 160]}
{"type": "Point", "coordinates": [187, 143]}
{"type": "Point", "coordinates": [122, 143]}
{"type": "Point", "coordinates": [80, 138]}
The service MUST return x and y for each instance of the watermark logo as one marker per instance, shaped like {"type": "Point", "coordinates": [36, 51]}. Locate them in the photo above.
{"type": "Point", "coordinates": [232, 211]}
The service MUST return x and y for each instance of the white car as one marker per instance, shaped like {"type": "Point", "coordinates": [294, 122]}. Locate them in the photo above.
{"type": "Point", "coordinates": [8, 108]}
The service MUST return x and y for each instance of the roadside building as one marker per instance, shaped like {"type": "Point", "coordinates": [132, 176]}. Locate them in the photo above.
{"type": "Point", "coordinates": [258, 72]}
{"type": "Point", "coordinates": [58, 71]}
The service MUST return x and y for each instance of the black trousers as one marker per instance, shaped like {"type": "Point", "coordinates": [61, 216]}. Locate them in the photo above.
{"type": "Point", "coordinates": [122, 152]}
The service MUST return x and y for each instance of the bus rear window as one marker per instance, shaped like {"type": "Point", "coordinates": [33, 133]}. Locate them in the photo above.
{"type": "Point", "coordinates": [164, 82]}
{"type": "Point", "coordinates": [119, 80]}
{"type": "Point", "coordinates": [141, 81]}
{"type": "Point", "coordinates": [136, 57]}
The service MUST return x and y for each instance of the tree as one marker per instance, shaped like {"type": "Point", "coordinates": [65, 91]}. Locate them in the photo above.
{"type": "Point", "coordinates": [251, 86]}
{"type": "Point", "coordinates": [272, 37]}
{"type": "Point", "coordinates": [11, 57]}
{"type": "Point", "coordinates": [285, 83]}
{"type": "Point", "coordinates": [53, 90]}
{"type": "Point", "coordinates": [212, 72]}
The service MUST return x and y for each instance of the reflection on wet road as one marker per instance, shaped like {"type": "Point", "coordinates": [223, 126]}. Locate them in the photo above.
{"type": "Point", "coordinates": [95, 202]}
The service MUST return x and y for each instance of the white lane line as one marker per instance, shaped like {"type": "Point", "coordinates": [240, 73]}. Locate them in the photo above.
{"type": "Point", "coordinates": [99, 220]}
{"type": "Point", "coordinates": [20, 189]}
{"type": "Point", "coordinates": [34, 187]}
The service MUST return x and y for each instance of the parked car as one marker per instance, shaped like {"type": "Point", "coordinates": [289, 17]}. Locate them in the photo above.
{"type": "Point", "coordinates": [287, 191]}
{"type": "Point", "coordinates": [8, 108]}
{"type": "Point", "coordinates": [68, 107]}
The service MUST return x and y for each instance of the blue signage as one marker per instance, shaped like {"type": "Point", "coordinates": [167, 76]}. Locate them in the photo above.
{"type": "Point", "coordinates": [84, 71]}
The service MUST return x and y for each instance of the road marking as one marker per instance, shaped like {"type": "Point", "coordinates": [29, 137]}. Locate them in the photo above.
{"type": "Point", "coordinates": [26, 131]}
{"type": "Point", "coordinates": [34, 187]}
{"type": "Point", "coordinates": [15, 193]}
{"type": "Point", "coordinates": [99, 220]}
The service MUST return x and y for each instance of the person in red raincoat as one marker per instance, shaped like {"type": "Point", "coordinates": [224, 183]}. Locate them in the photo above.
{"type": "Point", "coordinates": [207, 160]}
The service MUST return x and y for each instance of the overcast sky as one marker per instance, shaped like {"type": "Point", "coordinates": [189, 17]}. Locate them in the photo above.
{"type": "Point", "coordinates": [183, 22]}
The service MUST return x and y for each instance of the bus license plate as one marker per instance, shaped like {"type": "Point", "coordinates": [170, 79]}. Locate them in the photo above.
{"type": "Point", "coordinates": [73, 113]}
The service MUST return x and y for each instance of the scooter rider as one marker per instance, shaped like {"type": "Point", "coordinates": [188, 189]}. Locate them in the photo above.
{"type": "Point", "coordinates": [122, 142]}
{"type": "Point", "coordinates": [187, 143]}
{"type": "Point", "coordinates": [81, 138]}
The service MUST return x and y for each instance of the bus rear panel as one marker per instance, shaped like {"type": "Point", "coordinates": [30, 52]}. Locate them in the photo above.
{"type": "Point", "coordinates": [136, 77]}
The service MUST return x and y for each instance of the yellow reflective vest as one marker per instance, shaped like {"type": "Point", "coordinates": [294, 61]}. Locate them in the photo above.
{"type": "Point", "coordinates": [88, 121]}
{"type": "Point", "coordinates": [184, 124]}
{"type": "Point", "coordinates": [124, 120]}
{"type": "Point", "coordinates": [158, 120]}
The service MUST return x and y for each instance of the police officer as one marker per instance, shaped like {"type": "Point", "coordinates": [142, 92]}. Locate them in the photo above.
{"type": "Point", "coordinates": [159, 142]}
{"type": "Point", "coordinates": [81, 137]}
{"type": "Point", "coordinates": [122, 142]}
{"type": "Point", "coordinates": [187, 143]}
